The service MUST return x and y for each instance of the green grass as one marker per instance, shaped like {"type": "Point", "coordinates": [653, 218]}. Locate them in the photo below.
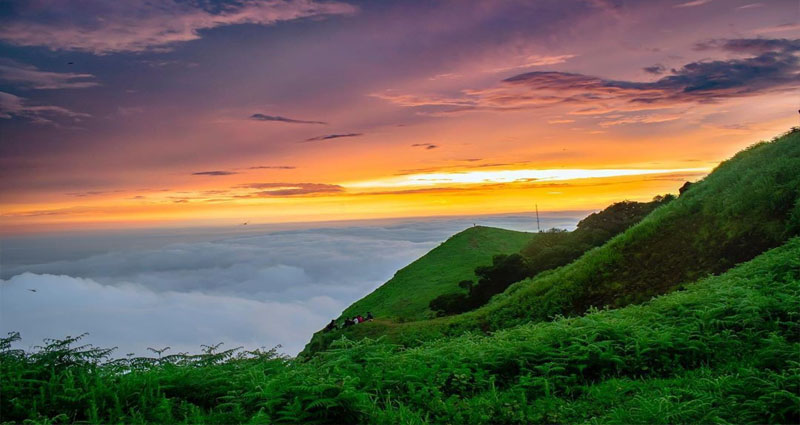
{"type": "Point", "coordinates": [748, 204]}
{"type": "Point", "coordinates": [724, 350]}
{"type": "Point", "coordinates": [406, 296]}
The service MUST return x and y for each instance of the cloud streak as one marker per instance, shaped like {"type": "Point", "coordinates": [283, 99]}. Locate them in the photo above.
{"type": "Point", "coordinates": [427, 146]}
{"type": "Point", "coordinates": [139, 25]}
{"type": "Point", "coordinates": [693, 3]}
{"type": "Point", "coordinates": [535, 60]}
{"type": "Point", "coordinates": [272, 167]}
{"type": "Point", "coordinates": [290, 189]}
{"type": "Point", "coordinates": [12, 106]}
{"type": "Point", "coordinates": [214, 173]}
{"type": "Point", "coordinates": [277, 118]}
{"type": "Point", "coordinates": [29, 76]}
{"type": "Point", "coordinates": [332, 136]}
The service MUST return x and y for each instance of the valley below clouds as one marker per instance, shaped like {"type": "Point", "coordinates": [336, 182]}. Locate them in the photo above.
{"type": "Point", "coordinates": [261, 286]}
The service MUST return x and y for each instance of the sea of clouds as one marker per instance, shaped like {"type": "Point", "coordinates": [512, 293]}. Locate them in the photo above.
{"type": "Point", "coordinates": [250, 286]}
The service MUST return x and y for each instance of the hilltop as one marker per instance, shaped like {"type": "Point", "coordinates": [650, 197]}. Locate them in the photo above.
{"type": "Point", "coordinates": [748, 204]}
{"type": "Point", "coordinates": [406, 296]}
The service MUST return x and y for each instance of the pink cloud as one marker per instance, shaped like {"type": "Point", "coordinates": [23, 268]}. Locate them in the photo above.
{"type": "Point", "coordinates": [14, 106]}
{"type": "Point", "coordinates": [27, 75]}
{"type": "Point", "coordinates": [773, 67]}
{"type": "Point", "coordinates": [141, 25]}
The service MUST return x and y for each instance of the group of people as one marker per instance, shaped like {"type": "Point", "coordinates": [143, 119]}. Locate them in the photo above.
{"type": "Point", "coordinates": [349, 322]}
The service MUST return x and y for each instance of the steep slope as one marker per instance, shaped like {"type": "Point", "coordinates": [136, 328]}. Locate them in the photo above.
{"type": "Point", "coordinates": [545, 251]}
{"type": "Point", "coordinates": [406, 295]}
{"type": "Point", "coordinates": [748, 204]}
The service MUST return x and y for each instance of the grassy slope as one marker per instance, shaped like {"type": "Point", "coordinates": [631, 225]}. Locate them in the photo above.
{"type": "Point", "coordinates": [406, 295]}
{"type": "Point", "coordinates": [722, 351]}
{"type": "Point", "coordinates": [750, 203]}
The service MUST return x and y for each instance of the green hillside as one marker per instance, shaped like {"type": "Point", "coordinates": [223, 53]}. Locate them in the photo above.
{"type": "Point", "coordinates": [406, 295]}
{"type": "Point", "coordinates": [748, 204]}
{"type": "Point", "coordinates": [723, 350]}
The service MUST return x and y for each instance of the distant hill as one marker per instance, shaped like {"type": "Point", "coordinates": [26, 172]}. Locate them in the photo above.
{"type": "Point", "coordinates": [405, 297]}
{"type": "Point", "coordinates": [747, 205]}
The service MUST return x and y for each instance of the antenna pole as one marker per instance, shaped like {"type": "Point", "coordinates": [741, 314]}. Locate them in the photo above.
{"type": "Point", "coordinates": [538, 227]}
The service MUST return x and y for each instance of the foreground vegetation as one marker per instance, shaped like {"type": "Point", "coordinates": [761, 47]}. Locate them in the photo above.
{"type": "Point", "coordinates": [723, 350]}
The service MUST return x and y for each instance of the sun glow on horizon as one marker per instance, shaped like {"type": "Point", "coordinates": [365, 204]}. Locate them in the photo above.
{"type": "Point", "coordinates": [509, 176]}
{"type": "Point", "coordinates": [416, 195]}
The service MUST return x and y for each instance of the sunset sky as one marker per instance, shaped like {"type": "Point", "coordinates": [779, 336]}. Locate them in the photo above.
{"type": "Point", "coordinates": [194, 112]}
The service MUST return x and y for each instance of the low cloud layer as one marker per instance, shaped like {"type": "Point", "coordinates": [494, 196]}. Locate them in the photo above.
{"type": "Point", "coordinates": [183, 289]}
{"type": "Point", "coordinates": [134, 317]}
{"type": "Point", "coordinates": [104, 27]}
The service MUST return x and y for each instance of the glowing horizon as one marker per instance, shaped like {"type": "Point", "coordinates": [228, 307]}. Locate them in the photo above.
{"type": "Point", "coordinates": [511, 176]}
{"type": "Point", "coordinates": [157, 112]}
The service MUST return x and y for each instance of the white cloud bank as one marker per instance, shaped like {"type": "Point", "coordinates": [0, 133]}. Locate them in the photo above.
{"type": "Point", "coordinates": [132, 317]}
{"type": "Point", "coordinates": [254, 289]}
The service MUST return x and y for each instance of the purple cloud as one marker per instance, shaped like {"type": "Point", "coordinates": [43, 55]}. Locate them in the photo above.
{"type": "Point", "coordinates": [276, 118]}
{"type": "Point", "coordinates": [272, 167]}
{"type": "Point", "coordinates": [214, 173]}
{"type": "Point", "coordinates": [425, 145]}
{"type": "Point", "coordinates": [12, 106]}
{"type": "Point", "coordinates": [105, 27]}
{"type": "Point", "coordinates": [29, 76]}
{"type": "Point", "coordinates": [773, 68]}
{"type": "Point", "coordinates": [332, 136]}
